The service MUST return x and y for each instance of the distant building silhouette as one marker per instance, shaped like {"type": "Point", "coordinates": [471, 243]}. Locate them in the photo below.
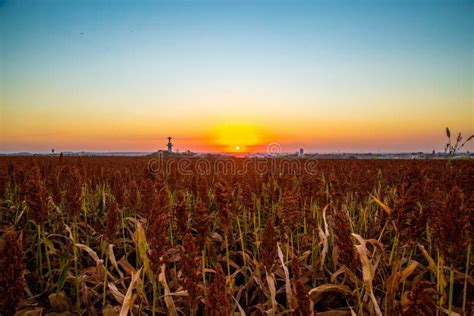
{"type": "Point", "coordinates": [170, 145]}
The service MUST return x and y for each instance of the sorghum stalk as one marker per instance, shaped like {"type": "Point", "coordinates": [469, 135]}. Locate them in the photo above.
{"type": "Point", "coordinates": [259, 220]}
{"type": "Point", "coordinates": [76, 268]}
{"type": "Point", "coordinates": [464, 296]}
{"type": "Point", "coordinates": [137, 255]}
{"type": "Point", "coordinates": [48, 261]}
{"type": "Point", "coordinates": [245, 219]}
{"type": "Point", "coordinates": [256, 229]}
{"type": "Point", "coordinates": [394, 246]}
{"type": "Point", "coordinates": [313, 255]}
{"type": "Point", "coordinates": [155, 294]}
{"type": "Point", "coordinates": [241, 237]}
{"type": "Point", "coordinates": [122, 219]}
{"type": "Point", "coordinates": [204, 269]}
{"type": "Point", "coordinates": [438, 283]}
{"type": "Point", "coordinates": [104, 289]}
{"type": "Point", "coordinates": [451, 288]}
{"type": "Point", "coordinates": [39, 255]}
{"type": "Point", "coordinates": [359, 296]}
{"type": "Point", "coordinates": [227, 254]}
{"type": "Point", "coordinates": [408, 261]}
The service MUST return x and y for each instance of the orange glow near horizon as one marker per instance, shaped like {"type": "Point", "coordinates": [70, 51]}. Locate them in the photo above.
{"type": "Point", "coordinates": [237, 137]}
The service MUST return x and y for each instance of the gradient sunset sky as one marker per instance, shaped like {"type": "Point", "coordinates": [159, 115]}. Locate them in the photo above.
{"type": "Point", "coordinates": [323, 75]}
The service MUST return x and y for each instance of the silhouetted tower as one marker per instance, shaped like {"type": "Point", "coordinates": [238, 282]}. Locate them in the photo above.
{"type": "Point", "coordinates": [170, 145]}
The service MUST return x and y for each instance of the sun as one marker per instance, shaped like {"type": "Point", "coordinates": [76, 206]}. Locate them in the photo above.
{"type": "Point", "coordinates": [236, 136]}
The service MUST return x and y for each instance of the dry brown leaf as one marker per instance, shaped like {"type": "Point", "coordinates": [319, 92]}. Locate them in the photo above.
{"type": "Point", "coordinates": [324, 235]}
{"type": "Point", "coordinates": [113, 261]}
{"type": "Point", "coordinates": [128, 299]}
{"type": "Point", "coordinates": [126, 266]}
{"type": "Point", "coordinates": [272, 288]}
{"type": "Point", "coordinates": [241, 310]}
{"type": "Point", "coordinates": [91, 252]}
{"type": "Point", "coordinates": [317, 291]}
{"type": "Point", "coordinates": [408, 270]}
{"type": "Point", "coordinates": [367, 271]}
{"type": "Point", "coordinates": [434, 267]}
{"type": "Point", "coordinates": [142, 247]}
{"type": "Point", "coordinates": [291, 299]}
{"type": "Point", "coordinates": [347, 274]}
{"type": "Point", "coordinates": [116, 293]}
{"type": "Point", "coordinates": [167, 297]}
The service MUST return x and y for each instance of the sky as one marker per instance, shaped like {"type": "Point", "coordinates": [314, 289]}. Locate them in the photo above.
{"type": "Point", "coordinates": [224, 75]}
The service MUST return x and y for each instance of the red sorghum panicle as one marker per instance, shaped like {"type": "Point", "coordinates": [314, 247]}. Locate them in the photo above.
{"type": "Point", "coordinates": [247, 198]}
{"type": "Point", "coordinates": [35, 196]}
{"type": "Point", "coordinates": [450, 225]}
{"type": "Point", "coordinates": [342, 238]}
{"type": "Point", "coordinates": [54, 187]}
{"type": "Point", "coordinates": [300, 289]}
{"type": "Point", "coordinates": [223, 198]}
{"type": "Point", "coordinates": [3, 182]}
{"type": "Point", "coordinates": [217, 300]}
{"type": "Point", "coordinates": [158, 230]}
{"type": "Point", "coordinates": [268, 248]}
{"type": "Point", "coordinates": [133, 197]}
{"type": "Point", "coordinates": [191, 266]}
{"type": "Point", "coordinates": [291, 210]}
{"type": "Point", "coordinates": [73, 196]}
{"type": "Point", "coordinates": [409, 218]}
{"type": "Point", "coordinates": [112, 222]}
{"type": "Point", "coordinates": [118, 189]}
{"type": "Point", "coordinates": [181, 214]}
{"type": "Point", "coordinates": [420, 299]}
{"type": "Point", "coordinates": [202, 222]}
{"type": "Point", "coordinates": [148, 196]}
{"type": "Point", "coordinates": [11, 273]}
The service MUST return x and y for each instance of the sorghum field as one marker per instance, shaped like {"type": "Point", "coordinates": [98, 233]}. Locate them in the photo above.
{"type": "Point", "coordinates": [114, 236]}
